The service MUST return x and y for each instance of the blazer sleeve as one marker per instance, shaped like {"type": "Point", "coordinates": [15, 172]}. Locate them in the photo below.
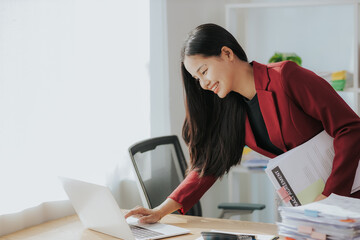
{"type": "Point", "coordinates": [191, 189]}
{"type": "Point", "coordinates": [318, 99]}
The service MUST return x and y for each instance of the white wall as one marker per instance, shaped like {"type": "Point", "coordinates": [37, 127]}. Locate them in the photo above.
{"type": "Point", "coordinates": [159, 87]}
{"type": "Point", "coordinates": [68, 71]}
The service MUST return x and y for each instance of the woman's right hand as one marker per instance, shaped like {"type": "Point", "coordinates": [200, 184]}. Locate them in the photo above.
{"type": "Point", "coordinates": [145, 215]}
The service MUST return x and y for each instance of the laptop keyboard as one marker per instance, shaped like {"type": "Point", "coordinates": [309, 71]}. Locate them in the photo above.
{"type": "Point", "coordinates": [140, 232]}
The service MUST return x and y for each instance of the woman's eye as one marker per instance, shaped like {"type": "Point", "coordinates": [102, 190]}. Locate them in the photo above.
{"type": "Point", "coordinates": [204, 72]}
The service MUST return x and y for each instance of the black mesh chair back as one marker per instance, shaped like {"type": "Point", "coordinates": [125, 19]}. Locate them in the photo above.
{"type": "Point", "coordinates": [160, 167]}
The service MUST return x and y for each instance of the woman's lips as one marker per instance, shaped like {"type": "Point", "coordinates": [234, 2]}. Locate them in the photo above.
{"type": "Point", "coordinates": [215, 88]}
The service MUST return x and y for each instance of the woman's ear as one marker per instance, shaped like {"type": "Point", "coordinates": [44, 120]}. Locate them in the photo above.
{"type": "Point", "coordinates": [227, 53]}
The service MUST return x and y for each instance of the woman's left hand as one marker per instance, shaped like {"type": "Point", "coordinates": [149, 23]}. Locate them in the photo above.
{"type": "Point", "coordinates": [320, 197]}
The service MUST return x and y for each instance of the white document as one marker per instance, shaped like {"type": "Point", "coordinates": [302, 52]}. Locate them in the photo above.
{"type": "Point", "coordinates": [303, 171]}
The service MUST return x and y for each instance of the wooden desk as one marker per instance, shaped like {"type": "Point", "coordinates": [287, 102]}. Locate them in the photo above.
{"type": "Point", "coordinates": [70, 228]}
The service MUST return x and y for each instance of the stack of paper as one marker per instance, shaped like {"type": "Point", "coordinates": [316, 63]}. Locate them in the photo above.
{"type": "Point", "coordinates": [335, 217]}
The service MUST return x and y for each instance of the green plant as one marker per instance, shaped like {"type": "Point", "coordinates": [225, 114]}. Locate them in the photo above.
{"type": "Point", "coordinates": [278, 57]}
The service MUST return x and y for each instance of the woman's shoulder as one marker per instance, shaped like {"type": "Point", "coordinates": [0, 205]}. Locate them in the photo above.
{"type": "Point", "coordinates": [289, 72]}
{"type": "Point", "coordinates": [283, 66]}
{"type": "Point", "coordinates": [280, 74]}
{"type": "Point", "coordinates": [280, 70]}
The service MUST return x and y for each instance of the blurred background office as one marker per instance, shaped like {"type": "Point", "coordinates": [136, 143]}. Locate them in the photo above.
{"type": "Point", "coordinates": [80, 81]}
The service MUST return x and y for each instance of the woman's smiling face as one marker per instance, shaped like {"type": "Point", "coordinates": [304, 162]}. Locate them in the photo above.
{"type": "Point", "coordinates": [214, 73]}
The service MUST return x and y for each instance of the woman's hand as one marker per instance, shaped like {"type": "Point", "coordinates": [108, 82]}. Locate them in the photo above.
{"type": "Point", "coordinates": [145, 215]}
{"type": "Point", "coordinates": [320, 197]}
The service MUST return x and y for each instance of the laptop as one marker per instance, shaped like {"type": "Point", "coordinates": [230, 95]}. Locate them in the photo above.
{"type": "Point", "coordinates": [98, 210]}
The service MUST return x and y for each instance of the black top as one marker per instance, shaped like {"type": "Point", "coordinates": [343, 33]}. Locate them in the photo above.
{"type": "Point", "coordinates": [258, 126]}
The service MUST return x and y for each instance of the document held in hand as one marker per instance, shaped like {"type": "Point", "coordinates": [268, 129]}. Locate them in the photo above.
{"type": "Point", "coordinates": [300, 174]}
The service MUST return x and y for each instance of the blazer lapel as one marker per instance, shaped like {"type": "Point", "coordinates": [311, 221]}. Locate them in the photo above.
{"type": "Point", "coordinates": [267, 105]}
{"type": "Point", "coordinates": [268, 110]}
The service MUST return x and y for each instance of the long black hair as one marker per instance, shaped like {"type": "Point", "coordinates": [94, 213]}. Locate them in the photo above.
{"type": "Point", "coordinates": [214, 128]}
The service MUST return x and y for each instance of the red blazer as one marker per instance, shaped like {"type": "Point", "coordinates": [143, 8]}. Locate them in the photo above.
{"type": "Point", "coordinates": [296, 104]}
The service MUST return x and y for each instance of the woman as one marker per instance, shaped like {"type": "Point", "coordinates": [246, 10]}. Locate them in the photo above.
{"type": "Point", "coordinates": [270, 108]}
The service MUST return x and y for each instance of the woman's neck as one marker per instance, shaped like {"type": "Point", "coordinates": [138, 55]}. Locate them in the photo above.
{"type": "Point", "coordinates": [244, 83]}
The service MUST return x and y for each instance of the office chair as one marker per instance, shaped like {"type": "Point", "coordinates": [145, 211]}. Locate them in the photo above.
{"type": "Point", "coordinates": [160, 167]}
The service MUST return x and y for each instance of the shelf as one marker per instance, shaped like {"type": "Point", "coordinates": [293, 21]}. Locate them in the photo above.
{"type": "Point", "coordinates": [357, 90]}
{"type": "Point", "coordinates": [333, 36]}
{"type": "Point", "coordinates": [290, 4]}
